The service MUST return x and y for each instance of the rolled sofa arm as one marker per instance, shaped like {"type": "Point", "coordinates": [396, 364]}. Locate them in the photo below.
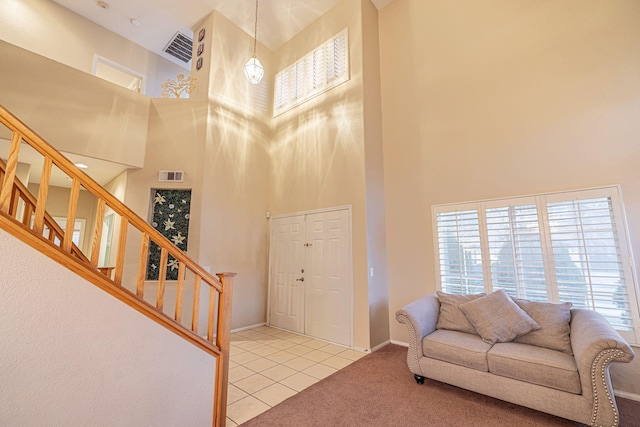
{"type": "Point", "coordinates": [596, 345]}
{"type": "Point", "coordinates": [420, 317]}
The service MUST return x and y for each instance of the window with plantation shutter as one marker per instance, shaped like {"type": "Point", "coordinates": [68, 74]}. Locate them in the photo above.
{"type": "Point", "coordinates": [323, 68]}
{"type": "Point", "coordinates": [569, 246]}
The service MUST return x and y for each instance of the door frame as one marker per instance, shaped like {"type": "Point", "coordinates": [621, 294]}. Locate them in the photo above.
{"type": "Point", "coordinates": [350, 291]}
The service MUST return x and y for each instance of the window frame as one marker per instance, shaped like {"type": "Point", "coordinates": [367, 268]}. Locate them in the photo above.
{"type": "Point", "coordinates": [295, 84]}
{"type": "Point", "coordinates": [541, 201]}
{"type": "Point", "coordinates": [101, 67]}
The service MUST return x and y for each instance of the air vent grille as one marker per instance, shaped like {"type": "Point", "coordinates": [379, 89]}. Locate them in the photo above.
{"type": "Point", "coordinates": [180, 47]}
{"type": "Point", "coordinates": [170, 176]}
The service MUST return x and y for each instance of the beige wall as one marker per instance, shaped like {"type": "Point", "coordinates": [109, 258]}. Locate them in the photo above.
{"type": "Point", "coordinates": [231, 48]}
{"type": "Point", "coordinates": [492, 99]}
{"type": "Point", "coordinates": [73, 355]}
{"type": "Point", "coordinates": [72, 110]}
{"type": "Point", "coordinates": [374, 175]}
{"type": "Point", "coordinates": [48, 29]}
{"type": "Point", "coordinates": [235, 171]}
{"type": "Point", "coordinates": [118, 186]}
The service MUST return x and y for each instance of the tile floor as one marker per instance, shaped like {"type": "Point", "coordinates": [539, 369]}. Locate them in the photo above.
{"type": "Point", "coordinates": [268, 365]}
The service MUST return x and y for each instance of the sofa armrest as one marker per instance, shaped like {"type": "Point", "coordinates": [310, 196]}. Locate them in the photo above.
{"type": "Point", "coordinates": [596, 344]}
{"type": "Point", "coordinates": [420, 317]}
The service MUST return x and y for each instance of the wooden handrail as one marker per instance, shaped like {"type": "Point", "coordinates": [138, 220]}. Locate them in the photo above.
{"type": "Point", "coordinates": [217, 340]}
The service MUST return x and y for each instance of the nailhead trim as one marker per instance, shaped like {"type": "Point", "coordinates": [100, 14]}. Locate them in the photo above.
{"type": "Point", "coordinates": [608, 356]}
{"type": "Point", "coordinates": [413, 347]}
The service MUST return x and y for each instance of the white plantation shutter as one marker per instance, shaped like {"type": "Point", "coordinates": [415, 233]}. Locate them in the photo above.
{"type": "Point", "coordinates": [459, 249]}
{"type": "Point", "coordinates": [517, 263]}
{"type": "Point", "coordinates": [336, 51]}
{"type": "Point", "coordinates": [558, 247]}
{"type": "Point", "coordinates": [321, 69]}
{"type": "Point", "coordinates": [317, 64]}
{"type": "Point", "coordinates": [589, 266]}
{"type": "Point", "coordinates": [281, 92]}
{"type": "Point", "coordinates": [298, 80]}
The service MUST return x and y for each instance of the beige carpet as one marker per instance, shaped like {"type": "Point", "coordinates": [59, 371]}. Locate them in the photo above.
{"type": "Point", "coordinates": [379, 390]}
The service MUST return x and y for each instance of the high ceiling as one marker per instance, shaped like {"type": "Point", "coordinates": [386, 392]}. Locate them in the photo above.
{"type": "Point", "coordinates": [278, 21]}
{"type": "Point", "coordinates": [159, 20]}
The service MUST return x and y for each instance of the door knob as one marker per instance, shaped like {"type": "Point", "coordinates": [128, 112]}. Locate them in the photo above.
{"type": "Point", "coordinates": [300, 279]}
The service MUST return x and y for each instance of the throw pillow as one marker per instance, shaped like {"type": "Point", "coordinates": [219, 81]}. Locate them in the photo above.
{"type": "Point", "coordinates": [450, 315]}
{"type": "Point", "coordinates": [497, 318]}
{"type": "Point", "coordinates": [554, 325]}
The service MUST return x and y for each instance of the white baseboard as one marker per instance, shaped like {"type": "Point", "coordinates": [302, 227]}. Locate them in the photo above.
{"type": "Point", "coordinates": [403, 344]}
{"type": "Point", "coordinates": [627, 395]}
{"type": "Point", "coordinates": [244, 328]}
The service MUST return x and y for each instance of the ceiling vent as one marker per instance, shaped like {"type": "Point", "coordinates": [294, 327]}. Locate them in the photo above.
{"type": "Point", "coordinates": [170, 176]}
{"type": "Point", "coordinates": [180, 47]}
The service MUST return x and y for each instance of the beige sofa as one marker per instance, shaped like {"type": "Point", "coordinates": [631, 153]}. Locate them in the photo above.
{"type": "Point", "coordinates": [570, 382]}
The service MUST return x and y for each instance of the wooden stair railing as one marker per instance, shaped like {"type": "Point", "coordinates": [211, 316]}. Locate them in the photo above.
{"type": "Point", "coordinates": [20, 194]}
{"type": "Point", "coordinates": [31, 222]}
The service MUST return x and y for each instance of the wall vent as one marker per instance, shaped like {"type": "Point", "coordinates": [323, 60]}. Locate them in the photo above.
{"type": "Point", "coordinates": [180, 47]}
{"type": "Point", "coordinates": [170, 176]}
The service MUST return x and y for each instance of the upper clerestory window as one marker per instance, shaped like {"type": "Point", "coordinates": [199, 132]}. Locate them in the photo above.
{"type": "Point", "coordinates": [323, 68]}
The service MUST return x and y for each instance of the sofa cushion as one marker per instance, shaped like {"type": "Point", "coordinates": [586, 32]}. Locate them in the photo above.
{"type": "Point", "coordinates": [535, 365]}
{"type": "Point", "coordinates": [497, 318]}
{"type": "Point", "coordinates": [456, 347]}
{"type": "Point", "coordinates": [554, 325]}
{"type": "Point", "coordinates": [450, 316]}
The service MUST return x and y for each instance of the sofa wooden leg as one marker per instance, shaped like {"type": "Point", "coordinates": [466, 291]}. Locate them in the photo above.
{"type": "Point", "coordinates": [419, 378]}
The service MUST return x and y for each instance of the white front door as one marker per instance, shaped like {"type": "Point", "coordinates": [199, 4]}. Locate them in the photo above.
{"type": "Point", "coordinates": [311, 289]}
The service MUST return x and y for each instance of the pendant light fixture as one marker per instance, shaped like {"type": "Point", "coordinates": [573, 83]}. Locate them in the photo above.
{"type": "Point", "coordinates": [253, 69]}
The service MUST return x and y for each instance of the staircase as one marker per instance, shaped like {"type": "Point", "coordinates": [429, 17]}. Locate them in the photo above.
{"type": "Point", "coordinates": [24, 216]}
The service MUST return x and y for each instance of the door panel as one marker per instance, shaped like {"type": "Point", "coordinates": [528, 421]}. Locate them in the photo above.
{"type": "Point", "coordinates": [287, 261]}
{"type": "Point", "coordinates": [329, 302]}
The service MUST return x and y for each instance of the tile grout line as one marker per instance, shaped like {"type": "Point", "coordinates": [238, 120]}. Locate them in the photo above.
{"type": "Point", "coordinates": [264, 337]}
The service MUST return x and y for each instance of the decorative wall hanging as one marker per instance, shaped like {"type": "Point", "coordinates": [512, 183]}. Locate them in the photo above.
{"type": "Point", "coordinates": [170, 217]}
{"type": "Point", "coordinates": [177, 88]}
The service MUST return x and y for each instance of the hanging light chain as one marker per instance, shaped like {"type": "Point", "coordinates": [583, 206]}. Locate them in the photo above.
{"type": "Point", "coordinates": [255, 31]}
{"type": "Point", "coordinates": [253, 68]}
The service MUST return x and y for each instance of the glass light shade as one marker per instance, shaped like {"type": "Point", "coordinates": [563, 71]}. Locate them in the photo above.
{"type": "Point", "coordinates": [254, 71]}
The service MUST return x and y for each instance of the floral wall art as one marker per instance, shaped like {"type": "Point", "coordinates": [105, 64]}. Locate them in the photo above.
{"type": "Point", "coordinates": [177, 87]}
{"type": "Point", "coordinates": [170, 217]}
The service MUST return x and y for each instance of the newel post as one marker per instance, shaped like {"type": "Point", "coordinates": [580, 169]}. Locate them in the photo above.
{"type": "Point", "coordinates": [223, 341]}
